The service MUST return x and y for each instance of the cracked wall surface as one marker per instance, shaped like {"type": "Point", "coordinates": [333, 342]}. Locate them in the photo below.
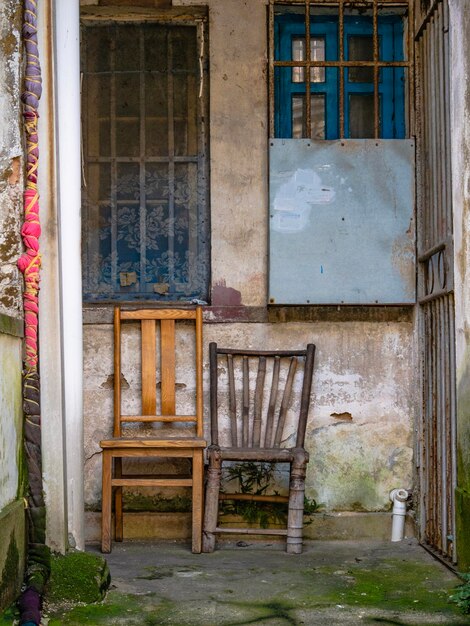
{"type": "Point", "coordinates": [12, 519]}
{"type": "Point", "coordinates": [11, 157]}
{"type": "Point", "coordinates": [362, 369]}
{"type": "Point", "coordinates": [361, 423]}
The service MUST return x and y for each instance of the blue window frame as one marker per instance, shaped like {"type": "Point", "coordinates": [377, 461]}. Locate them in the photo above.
{"type": "Point", "coordinates": [325, 84]}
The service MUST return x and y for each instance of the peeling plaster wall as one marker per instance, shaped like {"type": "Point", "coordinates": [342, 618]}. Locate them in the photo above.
{"type": "Point", "coordinates": [12, 519]}
{"type": "Point", "coordinates": [11, 429]}
{"type": "Point", "coordinates": [364, 369]}
{"type": "Point", "coordinates": [368, 369]}
{"type": "Point", "coordinates": [460, 119]}
{"type": "Point", "coordinates": [238, 149]}
{"type": "Point", "coordinates": [11, 159]}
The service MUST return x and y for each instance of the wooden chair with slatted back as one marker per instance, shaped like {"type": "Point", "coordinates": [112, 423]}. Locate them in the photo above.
{"type": "Point", "coordinates": [183, 442]}
{"type": "Point", "coordinates": [241, 430]}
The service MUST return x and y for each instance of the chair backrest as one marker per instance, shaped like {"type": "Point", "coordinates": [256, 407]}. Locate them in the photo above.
{"type": "Point", "coordinates": [249, 424]}
{"type": "Point", "coordinates": [162, 360]}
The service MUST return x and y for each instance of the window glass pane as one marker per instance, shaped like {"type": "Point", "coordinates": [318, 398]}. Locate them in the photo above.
{"type": "Point", "coordinates": [361, 115]}
{"type": "Point", "coordinates": [185, 90]}
{"type": "Point", "coordinates": [127, 110]}
{"type": "Point", "coordinates": [317, 113]}
{"type": "Point", "coordinates": [98, 128]}
{"type": "Point", "coordinates": [317, 116]}
{"type": "Point", "coordinates": [297, 117]}
{"type": "Point", "coordinates": [128, 228]}
{"type": "Point", "coordinates": [97, 48]}
{"type": "Point", "coordinates": [185, 114]}
{"type": "Point", "coordinates": [298, 54]}
{"type": "Point", "coordinates": [317, 53]}
{"type": "Point", "coordinates": [156, 48]}
{"type": "Point", "coordinates": [157, 226]}
{"type": "Point", "coordinates": [185, 229]}
{"type": "Point", "coordinates": [184, 49]}
{"type": "Point", "coordinates": [156, 114]}
{"type": "Point", "coordinates": [128, 39]}
{"type": "Point", "coordinates": [361, 48]}
{"type": "Point", "coordinates": [97, 229]}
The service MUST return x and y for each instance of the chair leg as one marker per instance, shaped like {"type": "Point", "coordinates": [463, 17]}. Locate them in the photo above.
{"type": "Point", "coordinates": [118, 521]}
{"type": "Point", "coordinates": [211, 509]}
{"type": "Point", "coordinates": [106, 503]}
{"type": "Point", "coordinates": [296, 503]}
{"type": "Point", "coordinates": [198, 496]}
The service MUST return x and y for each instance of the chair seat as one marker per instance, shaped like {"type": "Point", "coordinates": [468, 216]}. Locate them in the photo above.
{"type": "Point", "coordinates": [171, 442]}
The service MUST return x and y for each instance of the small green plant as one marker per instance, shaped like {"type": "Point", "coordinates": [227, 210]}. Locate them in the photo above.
{"type": "Point", "coordinates": [311, 506]}
{"type": "Point", "coordinates": [254, 478]}
{"type": "Point", "coordinates": [461, 597]}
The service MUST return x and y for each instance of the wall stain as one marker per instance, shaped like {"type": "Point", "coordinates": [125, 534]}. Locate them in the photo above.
{"type": "Point", "coordinates": [346, 416]}
{"type": "Point", "coordinates": [15, 171]}
{"type": "Point", "coordinates": [109, 383]}
{"type": "Point", "coordinates": [227, 296]}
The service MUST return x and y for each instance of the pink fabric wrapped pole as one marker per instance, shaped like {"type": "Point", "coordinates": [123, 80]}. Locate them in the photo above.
{"type": "Point", "coordinates": [30, 261]}
{"type": "Point", "coordinates": [38, 561]}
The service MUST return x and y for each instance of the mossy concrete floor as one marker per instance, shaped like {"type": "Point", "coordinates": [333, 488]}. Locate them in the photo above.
{"type": "Point", "coordinates": [339, 582]}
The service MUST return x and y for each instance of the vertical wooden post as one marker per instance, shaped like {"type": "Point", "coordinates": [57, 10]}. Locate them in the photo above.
{"type": "Point", "coordinates": [106, 503]}
{"type": "Point", "coordinates": [198, 495]}
{"type": "Point", "coordinates": [212, 501]}
{"type": "Point", "coordinates": [118, 521]}
{"type": "Point", "coordinates": [295, 514]}
{"type": "Point", "coordinates": [213, 392]}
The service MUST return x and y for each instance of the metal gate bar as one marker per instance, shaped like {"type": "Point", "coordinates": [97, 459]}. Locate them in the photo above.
{"type": "Point", "coordinates": [437, 458]}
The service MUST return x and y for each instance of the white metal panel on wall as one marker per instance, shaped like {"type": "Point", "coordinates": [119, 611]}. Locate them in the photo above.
{"type": "Point", "coordinates": [342, 227]}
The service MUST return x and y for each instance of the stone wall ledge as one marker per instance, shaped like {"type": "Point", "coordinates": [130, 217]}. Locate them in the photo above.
{"type": "Point", "coordinates": [324, 527]}
{"type": "Point", "coordinates": [12, 551]}
{"type": "Point", "coordinates": [11, 325]}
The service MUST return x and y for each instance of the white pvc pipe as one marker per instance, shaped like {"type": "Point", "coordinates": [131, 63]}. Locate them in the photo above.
{"type": "Point", "coordinates": [50, 341]}
{"type": "Point", "coordinates": [399, 498]}
{"type": "Point", "coordinates": [67, 81]}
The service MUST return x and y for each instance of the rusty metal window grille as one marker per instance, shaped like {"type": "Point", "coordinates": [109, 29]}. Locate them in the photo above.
{"type": "Point", "coordinates": [354, 65]}
{"type": "Point", "coordinates": [145, 206]}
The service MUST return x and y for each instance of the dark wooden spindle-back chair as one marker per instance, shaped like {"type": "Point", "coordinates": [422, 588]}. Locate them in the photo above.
{"type": "Point", "coordinates": [180, 442]}
{"type": "Point", "coordinates": [253, 434]}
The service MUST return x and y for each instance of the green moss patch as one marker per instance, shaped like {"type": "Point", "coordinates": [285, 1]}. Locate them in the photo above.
{"type": "Point", "coordinates": [117, 609]}
{"type": "Point", "coordinates": [395, 585]}
{"type": "Point", "coordinates": [9, 616]}
{"type": "Point", "coordinates": [9, 580]}
{"type": "Point", "coordinates": [77, 577]}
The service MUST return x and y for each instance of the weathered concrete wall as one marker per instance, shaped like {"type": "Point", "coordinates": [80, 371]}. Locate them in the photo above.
{"type": "Point", "coordinates": [361, 368]}
{"type": "Point", "coordinates": [10, 157]}
{"type": "Point", "coordinates": [11, 417]}
{"type": "Point", "coordinates": [460, 119]}
{"type": "Point", "coordinates": [12, 478]}
{"type": "Point", "coordinates": [12, 536]}
{"type": "Point", "coordinates": [12, 518]}
{"type": "Point", "coordinates": [365, 368]}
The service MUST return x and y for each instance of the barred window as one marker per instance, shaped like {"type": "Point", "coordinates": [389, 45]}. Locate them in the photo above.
{"type": "Point", "coordinates": [352, 65]}
{"type": "Point", "coordinates": [145, 181]}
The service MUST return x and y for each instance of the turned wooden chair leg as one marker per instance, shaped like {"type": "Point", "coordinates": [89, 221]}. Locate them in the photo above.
{"type": "Point", "coordinates": [118, 521]}
{"type": "Point", "coordinates": [198, 497]}
{"type": "Point", "coordinates": [211, 509]}
{"type": "Point", "coordinates": [296, 503]}
{"type": "Point", "coordinates": [106, 503]}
